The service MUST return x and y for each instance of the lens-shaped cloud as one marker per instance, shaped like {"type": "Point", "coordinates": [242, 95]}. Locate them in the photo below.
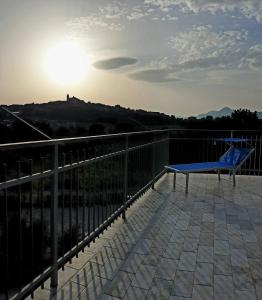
{"type": "Point", "coordinates": [114, 63]}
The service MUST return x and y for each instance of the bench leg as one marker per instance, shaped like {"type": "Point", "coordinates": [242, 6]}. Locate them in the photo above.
{"type": "Point", "coordinates": [218, 173]}
{"type": "Point", "coordinates": [187, 181]}
{"type": "Point", "coordinates": [234, 179]}
{"type": "Point", "coordinates": [174, 181]}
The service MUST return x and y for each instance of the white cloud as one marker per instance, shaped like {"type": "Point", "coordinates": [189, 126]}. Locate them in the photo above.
{"type": "Point", "coordinates": [248, 8]}
{"type": "Point", "coordinates": [204, 43]}
{"type": "Point", "coordinates": [253, 58]}
{"type": "Point", "coordinates": [115, 10]}
{"type": "Point", "coordinates": [94, 21]}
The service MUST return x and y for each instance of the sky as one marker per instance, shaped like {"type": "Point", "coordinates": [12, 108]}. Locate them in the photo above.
{"type": "Point", "coordinates": [181, 57]}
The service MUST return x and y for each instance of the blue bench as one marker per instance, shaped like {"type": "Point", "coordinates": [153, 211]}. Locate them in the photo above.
{"type": "Point", "coordinates": [231, 160]}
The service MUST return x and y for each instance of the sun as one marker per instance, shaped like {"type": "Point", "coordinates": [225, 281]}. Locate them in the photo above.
{"type": "Point", "coordinates": [66, 63]}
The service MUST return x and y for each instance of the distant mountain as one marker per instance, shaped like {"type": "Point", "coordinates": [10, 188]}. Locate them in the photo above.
{"type": "Point", "coordinates": [224, 112]}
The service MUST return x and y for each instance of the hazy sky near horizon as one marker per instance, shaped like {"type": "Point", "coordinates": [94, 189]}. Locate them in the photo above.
{"type": "Point", "coordinates": [180, 57]}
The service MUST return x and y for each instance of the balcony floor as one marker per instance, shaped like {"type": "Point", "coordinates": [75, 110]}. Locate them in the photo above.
{"type": "Point", "coordinates": [206, 245]}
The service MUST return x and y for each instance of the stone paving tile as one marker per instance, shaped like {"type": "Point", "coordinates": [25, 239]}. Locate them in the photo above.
{"type": "Point", "coordinates": [167, 268]}
{"type": "Point", "coordinates": [242, 278]}
{"type": "Point", "coordinates": [204, 274]}
{"type": "Point", "coordinates": [119, 285]}
{"type": "Point", "coordinates": [236, 242]}
{"type": "Point", "coordinates": [187, 261]}
{"type": "Point", "coordinates": [249, 236]}
{"type": "Point", "coordinates": [69, 291]}
{"type": "Point", "coordinates": [94, 290]}
{"type": "Point", "coordinates": [253, 250]}
{"type": "Point", "coordinates": [173, 251]}
{"type": "Point", "coordinates": [143, 246]}
{"type": "Point", "coordinates": [132, 263]}
{"type": "Point", "coordinates": [246, 225]}
{"type": "Point", "coordinates": [207, 217]}
{"type": "Point", "coordinates": [179, 298]}
{"type": "Point", "coordinates": [221, 247]}
{"type": "Point", "coordinates": [144, 276]}
{"type": "Point", "coordinates": [201, 292]}
{"type": "Point", "coordinates": [178, 236]}
{"type": "Point", "coordinates": [258, 290]}
{"type": "Point", "coordinates": [205, 254]}
{"type": "Point", "coordinates": [244, 295]}
{"type": "Point", "coordinates": [239, 258]}
{"type": "Point", "coordinates": [223, 288]}
{"type": "Point", "coordinates": [184, 283]}
{"type": "Point", "coordinates": [193, 232]}
{"type": "Point", "coordinates": [256, 268]}
{"type": "Point", "coordinates": [190, 244]}
{"type": "Point", "coordinates": [108, 297]}
{"type": "Point", "coordinates": [121, 252]}
{"type": "Point", "coordinates": [87, 274]}
{"type": "Point", "coordinates": [161, 289]}
{"type": "Point", "coordinates": [151, 259]}
{"type": "Point", "coordinates": [206, 239]}
{"type": "Point", "coordinates": [207, 227]}
{"type": "Point", "coordinates": [135, 293]}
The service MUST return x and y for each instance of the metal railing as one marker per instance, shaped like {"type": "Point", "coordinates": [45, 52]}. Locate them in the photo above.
{"type": "Point", "coordinates": [58, 196]}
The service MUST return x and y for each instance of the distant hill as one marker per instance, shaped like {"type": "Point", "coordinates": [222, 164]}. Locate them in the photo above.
{"type": "Point", "coordinates": [224, 112]}
{"type": "Point", "coordinates": [75, 111]}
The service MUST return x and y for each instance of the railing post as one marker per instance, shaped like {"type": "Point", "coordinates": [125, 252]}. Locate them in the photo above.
{"type": "Point", "coordinates": [168, 149]}
{"type": "Point", "coordinates": [125, 177]}
{"type": "Point", "coordinates": [54, 215]}
{"type": "Point", "coordinates": [153, 161]}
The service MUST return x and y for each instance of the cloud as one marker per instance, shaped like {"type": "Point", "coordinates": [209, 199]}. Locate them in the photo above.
{"type": "Point", "coordinates": [115, 10]}
{"type": "Point", "coordinates": [248, 8]}
{"type": "Point", "coordinates": [114, 63]}
{"type": "Point", "coordinates": [153, 75]}
{"type": "Point", "coordinates": [114, 16]}
{"type": "Point", "coordinates": [92, 22]}
{"type": "Point", "coordinates": [203, 42]}
{"type": "Point", "coordinates": [253, 58]}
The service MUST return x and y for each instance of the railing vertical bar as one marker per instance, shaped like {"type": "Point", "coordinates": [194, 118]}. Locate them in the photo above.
{"type": "Point", "coordinates": [107, 183]}
{"type": "Point", "coordinates": [241, 145]}
{"type": "Point", "coordinates": [250, 160]}
{"type": "Point", "coordinates": [93, 196]}
{"type": "Point", "coordinates": [31, 221]}
{"type": "Point", "coordinates": [77, 199]}
{"type": "Point", "coordinates": [42, 216]}
{"type": "Point", "coordinates": [153, 160]}
{"type": "Point", "coordinates": [70, 203]}
{"type": "Point", "coordinates": [111, 191]}
{"type": "Point", "coordinates": [54, 215]}
{"type": "Point", "coordinates": [125, 177]}
{"type": "Point", "coordinates": [63, 178]}
{"type": "Point", "coordinates": [6, 222]}
{"type": "Point", "coordinates": [255, 155]}
{"type": "Point", "coordinates": [88, 194]}
{"type": "Point", "coordinates": [260, 154]}
{"type": "Point", "coordinates": [20, 245]}
{"type": "Point", "coordinates": [84, 197]}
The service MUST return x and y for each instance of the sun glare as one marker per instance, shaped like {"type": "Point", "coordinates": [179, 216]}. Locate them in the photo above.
{"type": "Point", "coordinates": [66, 63]}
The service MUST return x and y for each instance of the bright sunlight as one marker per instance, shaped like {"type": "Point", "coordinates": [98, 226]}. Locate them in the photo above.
{"type": "Point", "coordinates": [66, 63]}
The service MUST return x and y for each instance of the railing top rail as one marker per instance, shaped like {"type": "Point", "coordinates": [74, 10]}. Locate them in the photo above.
{"type": "Point", "coordinates": [46, 143]}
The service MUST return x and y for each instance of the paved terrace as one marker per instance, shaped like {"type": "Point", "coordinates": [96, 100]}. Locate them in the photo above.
{"type": "Point", "coordinates": [207, 245]}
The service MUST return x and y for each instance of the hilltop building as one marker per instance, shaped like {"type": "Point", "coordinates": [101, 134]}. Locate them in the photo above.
{"type": "Point", "coordinates": [73, 99]}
